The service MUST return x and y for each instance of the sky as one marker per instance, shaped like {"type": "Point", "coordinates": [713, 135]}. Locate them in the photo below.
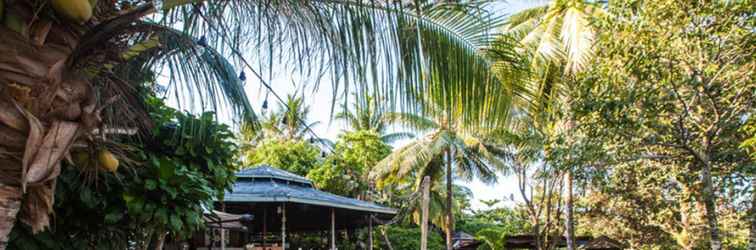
{"type": "Point", "coordinates": [320, 103]}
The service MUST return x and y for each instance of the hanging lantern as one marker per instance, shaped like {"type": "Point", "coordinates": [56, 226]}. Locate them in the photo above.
{"type": "Point", "coordinates": [312, 140]}
{"type": "Point", "coordinates": [202, 41]}
{"type": "Point", "coordinates": [265, 104]}
{"type": "Point", "coordinates": [242, 76]}
{"type": "Point", "coordinates": [322, 154]}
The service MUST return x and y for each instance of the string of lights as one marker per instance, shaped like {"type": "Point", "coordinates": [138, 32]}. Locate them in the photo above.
{"type": "Point", "coordinates": [242, 76]}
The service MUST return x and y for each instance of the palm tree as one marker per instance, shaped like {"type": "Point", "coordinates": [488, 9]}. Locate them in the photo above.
{"type": "Point", "coordinates": [560, 30]}
{"type": "Point", "coordinates": [289, 122]}
{"type": "Point", "coordinates": [367, 114]}
{"type": "Point", "coordinates": [66, 74]}
{"type": "Point", "coordinates": [559, 37]}
{"type": "Point", "coordinates": [447, 147]}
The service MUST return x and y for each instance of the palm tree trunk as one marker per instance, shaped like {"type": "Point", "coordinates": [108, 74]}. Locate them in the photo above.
{"type": "Point", "coordinates": [44, 105]}
{"type": "Point", "coordinates": [569, 230]}
{"type": "Point", "coordinates": [715, 242]}
{"type": "Point", "coordinates": [424, 221]}
{"type": "Point", "coordinates": [449, 201]}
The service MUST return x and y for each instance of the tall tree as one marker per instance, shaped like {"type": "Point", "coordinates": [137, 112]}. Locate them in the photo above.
{"type": "Point", "coordinates": [69, 72]}
{"type": "Point", "coordinates": [447, 149]}
{"type": "Point", "coordinates": [367, 114]}
{"type": "Point", "coordinates": [559, 37]}
{"type": "Point", "coordinates": [673, 82]}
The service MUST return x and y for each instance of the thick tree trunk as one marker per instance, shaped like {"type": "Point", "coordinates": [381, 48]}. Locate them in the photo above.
{"type": "Point", "coordinates": [43, 107]}
{"type": "Point", "coordinates": [709, 197]}
{"type": "Point", "coordinates": [569, 222]}
{"type": "Point", "coordinates": [752, 243]}
{"type": "Point", "coordinates": [449, 201]}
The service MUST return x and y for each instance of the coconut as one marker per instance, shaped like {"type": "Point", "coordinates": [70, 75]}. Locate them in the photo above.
{"type": "Point", "coordinates": [78, 11]}
{"type": "Point", "coordinates": [108, 160]}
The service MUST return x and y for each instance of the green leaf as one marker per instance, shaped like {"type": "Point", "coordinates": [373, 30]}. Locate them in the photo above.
{"type": "Point", "coordinates": [176, 223]}
{"type": "Point", "coordinates": [150, 185]}
{"type": "Point", "coordinates": [113, 217]}
{"type": "Point", "coordinates": [167, 169]}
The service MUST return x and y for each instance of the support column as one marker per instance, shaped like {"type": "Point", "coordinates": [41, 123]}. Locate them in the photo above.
{"type": "Point", "coordinates": [370, 232]}
{"type": "Point", "coordinates": [265, 225]}
{"type": "Point", "coordinates": [222, 231]}
{"type": "Point", "coordinates": [283, 226]}
{"type": "Point", "coordinates": [333, 229]}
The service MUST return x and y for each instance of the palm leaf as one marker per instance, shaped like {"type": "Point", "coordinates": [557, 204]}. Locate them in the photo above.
{"type": "Point", "coordinates": [365, 46]}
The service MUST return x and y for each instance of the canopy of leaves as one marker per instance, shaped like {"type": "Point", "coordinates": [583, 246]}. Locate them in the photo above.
{"type": "Point", "coordinates": [296, 156]}
{"type": "Point", "coordinates": [346, 171]}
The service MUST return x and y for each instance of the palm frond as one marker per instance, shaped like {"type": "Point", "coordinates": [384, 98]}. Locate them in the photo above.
{"type": "Point", "coordinates": [365, 46]}
{"type": "Point", "coordinates": [393, 137]}
{"type": "Point", "coordinates": [199, 78]}
{"type": "Point", "coordinates": [416, 122]}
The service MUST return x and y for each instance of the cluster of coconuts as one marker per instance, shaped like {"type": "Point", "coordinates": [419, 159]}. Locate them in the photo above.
{"type": "Point", "coordinates": [105, 160]}
{"type": "Point", "coordinates": [77, 11]}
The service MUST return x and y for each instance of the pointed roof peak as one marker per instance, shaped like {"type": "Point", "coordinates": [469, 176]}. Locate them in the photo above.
{"type": "Point", "coordinates": [264, 171]}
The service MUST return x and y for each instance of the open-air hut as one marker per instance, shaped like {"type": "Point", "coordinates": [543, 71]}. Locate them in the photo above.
{"type": "Point", "coordinates": [283, 203]}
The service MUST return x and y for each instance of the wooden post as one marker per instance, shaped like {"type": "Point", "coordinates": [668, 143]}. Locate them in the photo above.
{"type": "Point", "coordinates": [333, 230]}
{"type": "Point", "coordinates": [424, 218]}
{"type": "Point", "coordinates": [283, 226]}
{"type": "Point", "coordinates": [370, 231]}
{"type": "Point", "coordinates": [223, 231]}
{"type": "Point", "coordinates": [265, 225]}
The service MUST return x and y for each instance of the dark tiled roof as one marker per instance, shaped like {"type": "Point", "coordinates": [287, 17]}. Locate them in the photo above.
{"type": "Point", "coordinates": [268, 184]}
{"type": "Point", "coordinates": [267, 171]}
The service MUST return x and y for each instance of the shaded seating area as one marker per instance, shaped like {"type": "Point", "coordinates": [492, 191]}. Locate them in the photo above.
{"type": "Point", "coordinates": [283, 203]}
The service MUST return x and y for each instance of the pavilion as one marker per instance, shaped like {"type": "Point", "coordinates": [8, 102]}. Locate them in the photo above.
{"type": "Point", "coordinates": [282, 202]}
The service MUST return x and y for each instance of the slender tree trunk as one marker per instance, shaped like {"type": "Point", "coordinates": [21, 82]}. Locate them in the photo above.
{"type": "Point", "coordinates": [10, 203]}
{"type": "Point", "coordinates": [569, 222]}
{"type": "Point", "coordinates": [425, 207]}
{"type": "Point", "coordinates": [386, 238]}
{"type": "Point", "coordinates": [711, 209]}
{"type": "Point", "coordinates": [449, 201]}
{"type": "Point", "coordinates": [752, 243]}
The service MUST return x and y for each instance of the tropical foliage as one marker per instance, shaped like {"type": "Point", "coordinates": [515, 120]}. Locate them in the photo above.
{"type": "Point", "coordinates": [162, 192]}
{"type": "Point", "coordinates": [346, 170]}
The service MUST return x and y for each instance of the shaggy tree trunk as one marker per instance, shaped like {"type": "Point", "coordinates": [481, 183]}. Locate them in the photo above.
{"type": "Point", "coordinates": [569, 222]}
{"type": "Point", "coordinates": [10, 203]}
{"type": "Point", "coordinates": [449, 201]}
{"type": "Point", "coordinates": [44, 105]}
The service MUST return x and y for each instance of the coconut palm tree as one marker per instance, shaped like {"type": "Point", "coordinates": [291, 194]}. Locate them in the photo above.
{"type": "Point", "coordinates": [560, 30]}
{"type": "Point", "coordinates": [367, 114]}
{"type": "Point", "coordinates": [69, 71]}
{"type": "Point", "coordinates": [447, 149]}
{"type": "Point", "coordinates": [290, 121]}
{"type": "Point", "coordinates": [560, 37]}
